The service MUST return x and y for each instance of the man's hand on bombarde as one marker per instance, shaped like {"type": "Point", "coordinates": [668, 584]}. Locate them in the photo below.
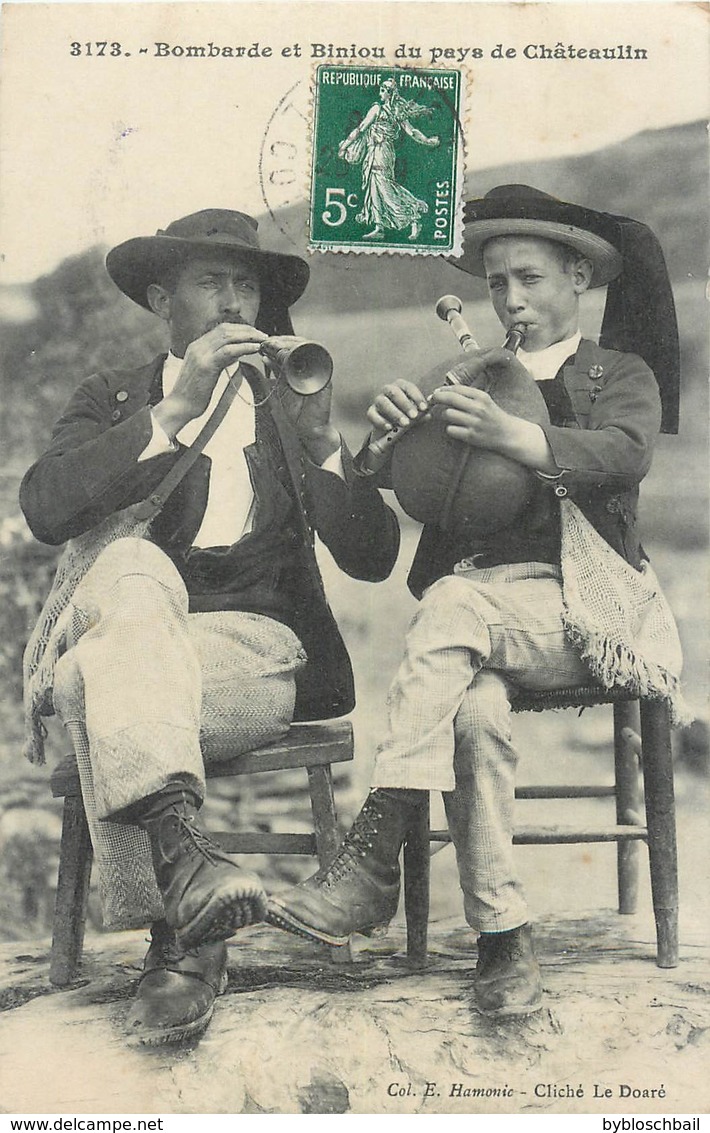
{"type": "Point", "coordinates": [310, 416]}
{"type": "Point", "coordinates": [204, 360]}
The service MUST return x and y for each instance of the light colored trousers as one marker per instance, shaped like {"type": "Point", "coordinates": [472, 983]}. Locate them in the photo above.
{"type": "Point", "coordinates": [150, 693]}
{"type": "Point", "coordinates": [449, 729]}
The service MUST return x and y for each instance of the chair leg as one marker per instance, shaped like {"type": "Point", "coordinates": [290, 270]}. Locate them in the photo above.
{"type": "Point", "coordinates": [75, 857]}
{"type": "Point", "coordinates": [416, 884]}
{"type": "Point", "coordinates": [657, 762]}
{"type": "Point", "coordinates": [628, 803]}
{"type": "Point", "coordinates": [325, 821]}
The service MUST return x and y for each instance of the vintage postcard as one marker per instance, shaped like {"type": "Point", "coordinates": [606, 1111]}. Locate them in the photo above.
{"type": "Point", "coordinates": [489, 222]}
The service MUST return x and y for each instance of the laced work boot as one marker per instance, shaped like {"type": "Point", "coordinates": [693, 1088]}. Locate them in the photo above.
{"type": "Point", "coordinates": [359, 890]}
{"type": "Point", "coordinates": [507, 978]}
{"type": "Point", "coordinates": [177, 990]}
{"type": "Point", "coordinates": [207, 897]}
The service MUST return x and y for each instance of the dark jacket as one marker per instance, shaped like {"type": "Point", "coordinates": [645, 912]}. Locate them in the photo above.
{"type": "Point", "coordinates": [604, 454]}
{"type": "Point", "coordinates": [91, 470]}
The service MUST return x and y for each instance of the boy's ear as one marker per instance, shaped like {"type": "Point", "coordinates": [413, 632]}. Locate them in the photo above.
{"type": "Point", "coordinates": [582, 274]}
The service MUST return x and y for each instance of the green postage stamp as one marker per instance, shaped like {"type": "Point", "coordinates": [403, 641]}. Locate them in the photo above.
{"type": "Point", "coordinates": [387, 160]}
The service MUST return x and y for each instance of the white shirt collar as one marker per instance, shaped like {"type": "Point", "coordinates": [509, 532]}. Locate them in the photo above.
{"type": "Point", "coordinates": [544, 364]}
{"type": "Point", "coordinates": [230, 501]}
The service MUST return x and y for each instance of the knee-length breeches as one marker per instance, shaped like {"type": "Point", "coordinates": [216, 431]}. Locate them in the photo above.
{"type": "Point", "coordinates": [150, 693]}
{"type": "Point", "coordinates": [475, 633]}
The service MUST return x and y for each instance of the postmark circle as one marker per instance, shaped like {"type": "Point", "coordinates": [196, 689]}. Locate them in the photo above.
{"type": "Point", "coordinates": [282, 164]}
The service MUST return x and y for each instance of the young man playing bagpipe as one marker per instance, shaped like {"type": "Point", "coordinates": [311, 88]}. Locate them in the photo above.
{"type": "Point", "coordinates": [558, 591]}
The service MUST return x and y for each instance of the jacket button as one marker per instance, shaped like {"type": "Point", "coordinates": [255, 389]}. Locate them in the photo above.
{"type": "Point", "coordinates": [595, 372]}
{"type": "Point", "coordinates": [594, 393]}
{"type": "Point", "coordinates": [116, 415]}
{"type": "Point", "coordinates": [122, 395]}
{"type": "Point", "coordinates": [560, 491]}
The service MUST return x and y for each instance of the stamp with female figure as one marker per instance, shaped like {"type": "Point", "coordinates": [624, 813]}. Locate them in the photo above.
{"type": "Point", "coordinates": [387, 161]}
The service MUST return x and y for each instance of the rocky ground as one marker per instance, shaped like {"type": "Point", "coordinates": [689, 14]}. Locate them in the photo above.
{"type": "Point", "coordinates": [298, 1033]}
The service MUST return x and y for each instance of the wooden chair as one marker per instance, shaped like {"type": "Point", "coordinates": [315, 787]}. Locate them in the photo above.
{"type": "Point", "coordinates": [653, 749]}
{"type": "Point", "coordinates": [312, 746]}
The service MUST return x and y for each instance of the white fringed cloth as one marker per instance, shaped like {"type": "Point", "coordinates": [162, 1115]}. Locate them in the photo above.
{"type": "Point", "coordinates": [618, 617]}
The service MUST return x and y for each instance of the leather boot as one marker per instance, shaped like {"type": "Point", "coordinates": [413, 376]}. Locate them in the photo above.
{"type": "Point", "coordinates": [177, 990]}
{"type": "Point", "coordinates": [359, 890]}
{"type": "Point", "coordinates": [207, 897]}
{"type": "Point", "coordinates": [507, 980]}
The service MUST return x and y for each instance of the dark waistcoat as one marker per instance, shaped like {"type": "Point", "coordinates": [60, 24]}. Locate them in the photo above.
{"type": "Point", "coordinates": [252, 574]}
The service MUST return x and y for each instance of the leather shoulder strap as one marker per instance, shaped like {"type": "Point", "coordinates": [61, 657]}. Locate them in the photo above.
{"type": "Point", "coordinates": [156, 501]}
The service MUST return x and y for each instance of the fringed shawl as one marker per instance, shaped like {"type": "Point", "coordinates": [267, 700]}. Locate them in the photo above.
{"type": "Point", "coordinates": [618, 617]}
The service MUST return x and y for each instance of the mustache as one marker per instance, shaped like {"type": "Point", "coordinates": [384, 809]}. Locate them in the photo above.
{"type": "Point", "coordinates": [218, 323]}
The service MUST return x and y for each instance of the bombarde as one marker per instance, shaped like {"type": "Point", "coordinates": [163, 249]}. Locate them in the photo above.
{"type": "Point", "coordinates": [306, 366]}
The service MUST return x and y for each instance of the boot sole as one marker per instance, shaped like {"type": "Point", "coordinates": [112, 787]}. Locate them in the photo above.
{"type": "Point", "coordinates": [509, 1012]}
{"type": "Point", "coordinates": [220, 920]}
{"type": "Point", "coordinates": [181, 1032]}
{"type": "Point", "coordinates": [283, 920]}
{"type": "Point", "coordinates": [172, 1035]}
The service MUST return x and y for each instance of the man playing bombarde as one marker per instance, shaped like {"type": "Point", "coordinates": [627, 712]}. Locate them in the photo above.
{"type": "Point", "coordinates": [200, 638]}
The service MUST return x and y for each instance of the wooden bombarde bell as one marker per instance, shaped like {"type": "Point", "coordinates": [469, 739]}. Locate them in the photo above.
{"type": "Point", "coordinates": [306, 366]}
{"type": "Point", "coordinates": [442, 481]}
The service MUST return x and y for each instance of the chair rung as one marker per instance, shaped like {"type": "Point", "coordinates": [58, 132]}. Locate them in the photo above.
{"type": "Point", "coordinates": [565, 792]}
{"type": "Point", "coordinates": [555, 835]}
{"type": "Point", "coordinates": [258, 842]}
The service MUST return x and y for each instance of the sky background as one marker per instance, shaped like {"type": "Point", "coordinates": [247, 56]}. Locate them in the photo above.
{"type": "Point", "coordinates": [101, 149]}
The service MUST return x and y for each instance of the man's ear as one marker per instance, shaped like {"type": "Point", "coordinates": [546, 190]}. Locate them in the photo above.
{"type": "Point", "coordinates": [159, 300]}
{"type": "Point", "coordinates": [582, 274]}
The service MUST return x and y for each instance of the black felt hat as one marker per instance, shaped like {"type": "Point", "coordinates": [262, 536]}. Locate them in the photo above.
{"type": "Point", "coordinates": [639, 316]}
{"type": "Point", "coordinates": [137, 263]}
{"type": "Point", "coordinates": [518, 210]}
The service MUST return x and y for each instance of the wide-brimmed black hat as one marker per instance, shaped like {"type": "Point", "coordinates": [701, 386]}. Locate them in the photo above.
{"type": "Point", "coordinates": [137, 263]}
{"type": "Point", "coordinates": [639, 316]}
{"type": "Point", "coordinates": [519, 210]}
